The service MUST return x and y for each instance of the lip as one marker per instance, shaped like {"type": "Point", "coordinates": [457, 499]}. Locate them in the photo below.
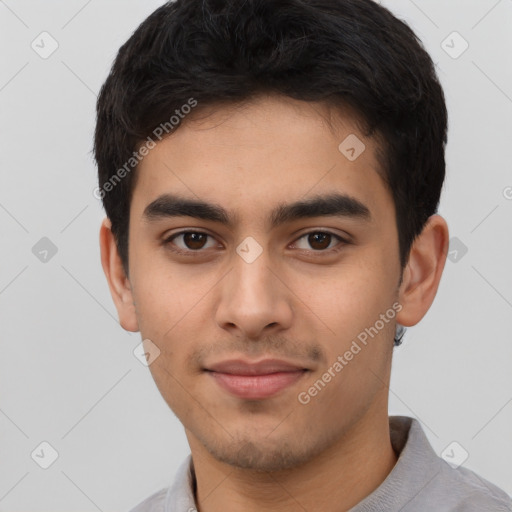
{"type": "Point", "coordinates": [263, 367]}
{"type": "Point", "coordinates": [255, 381]}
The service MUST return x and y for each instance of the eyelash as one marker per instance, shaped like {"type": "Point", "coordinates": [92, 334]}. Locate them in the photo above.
{"type": "Point", "coordinates": [192, 253]}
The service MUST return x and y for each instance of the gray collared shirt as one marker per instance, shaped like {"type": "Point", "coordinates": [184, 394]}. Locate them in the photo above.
{"type": "Point", "coordinates": [419, 482]}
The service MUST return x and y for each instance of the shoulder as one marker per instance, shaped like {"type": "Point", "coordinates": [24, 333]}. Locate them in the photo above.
{"type": "Point", "coordinates": [179, 497]}
{"type": "Point", "coordinates": [422, 481]}
{"type": "Point", "coordinates": [465, 491]}
{"type": "Point", "coordinates": [154, 503]}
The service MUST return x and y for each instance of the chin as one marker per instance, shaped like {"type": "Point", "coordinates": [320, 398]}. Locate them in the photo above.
{"type": "Point", "coordinates": [262, 455]}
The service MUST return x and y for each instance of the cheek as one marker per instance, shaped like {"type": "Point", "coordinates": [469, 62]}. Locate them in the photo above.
{"type": "Point", "coordinates": [350, 308]}
{"type": "Point", "coordinates": [159, 287]}
{"type": "Point", "coordinates": [351, 299]}
{"type": "Point", "coordinates": [171, 313]}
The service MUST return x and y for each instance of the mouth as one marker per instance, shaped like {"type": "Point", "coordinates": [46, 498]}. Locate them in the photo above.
{"type": "Point", "coordinates": [255, 381]}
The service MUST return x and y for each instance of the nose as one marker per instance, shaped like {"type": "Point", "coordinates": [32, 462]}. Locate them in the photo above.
{"type": "Point", "coordinates": [254, 299]}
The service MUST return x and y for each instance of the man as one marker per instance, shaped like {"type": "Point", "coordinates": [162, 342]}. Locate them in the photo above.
{"type": "Point", "coordinates": [271, 172]}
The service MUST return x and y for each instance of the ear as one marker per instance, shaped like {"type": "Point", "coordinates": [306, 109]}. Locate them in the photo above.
{"type": "Point", "coordinates": [118, 283]}
{"type": "Point", "coordinates": [423, 271]}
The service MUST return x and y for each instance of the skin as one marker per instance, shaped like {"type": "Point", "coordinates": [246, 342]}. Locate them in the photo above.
{"type": "Point", "coordinates": [295, 302]}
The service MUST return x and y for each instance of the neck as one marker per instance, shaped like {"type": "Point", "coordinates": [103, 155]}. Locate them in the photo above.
{"type": "Point", "coordinates": [335, 480]}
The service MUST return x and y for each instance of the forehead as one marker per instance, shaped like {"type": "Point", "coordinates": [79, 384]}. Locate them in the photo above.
{"type": "Point", "coordinates": [254, 156]}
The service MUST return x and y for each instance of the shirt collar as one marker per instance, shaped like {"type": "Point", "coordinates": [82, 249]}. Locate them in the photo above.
{"type": "Point", "coordinates": [402, 484]}
{"type": "Point", "coordinates": [180, 496]}
{"type": "Point", "coordinates": [416, 467]}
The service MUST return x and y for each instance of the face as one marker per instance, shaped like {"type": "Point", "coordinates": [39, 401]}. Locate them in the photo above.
{"type": "Point", "coordinates": [255, 278]}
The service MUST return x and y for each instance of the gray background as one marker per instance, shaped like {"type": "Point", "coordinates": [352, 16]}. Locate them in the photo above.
{"type": "Point", "coordinates": [68, 375]}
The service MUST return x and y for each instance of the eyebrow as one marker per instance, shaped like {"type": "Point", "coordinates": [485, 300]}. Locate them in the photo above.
{"type": "Point", "coordinates": [339, 205]}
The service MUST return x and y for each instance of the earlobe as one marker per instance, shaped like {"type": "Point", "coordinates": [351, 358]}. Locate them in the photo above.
{"type": "Point", "coordinates": [423, 271]}
{"type": "Point", "coordinates": [118, 282]}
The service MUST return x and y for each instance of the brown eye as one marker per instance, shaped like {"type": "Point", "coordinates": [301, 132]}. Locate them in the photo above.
{"type": "Point", "coordinates": [188, 242]}
{"type": "Point", "coordinates": [320, 241]}
{"type": "Point", "coordinates": [194, 240]}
